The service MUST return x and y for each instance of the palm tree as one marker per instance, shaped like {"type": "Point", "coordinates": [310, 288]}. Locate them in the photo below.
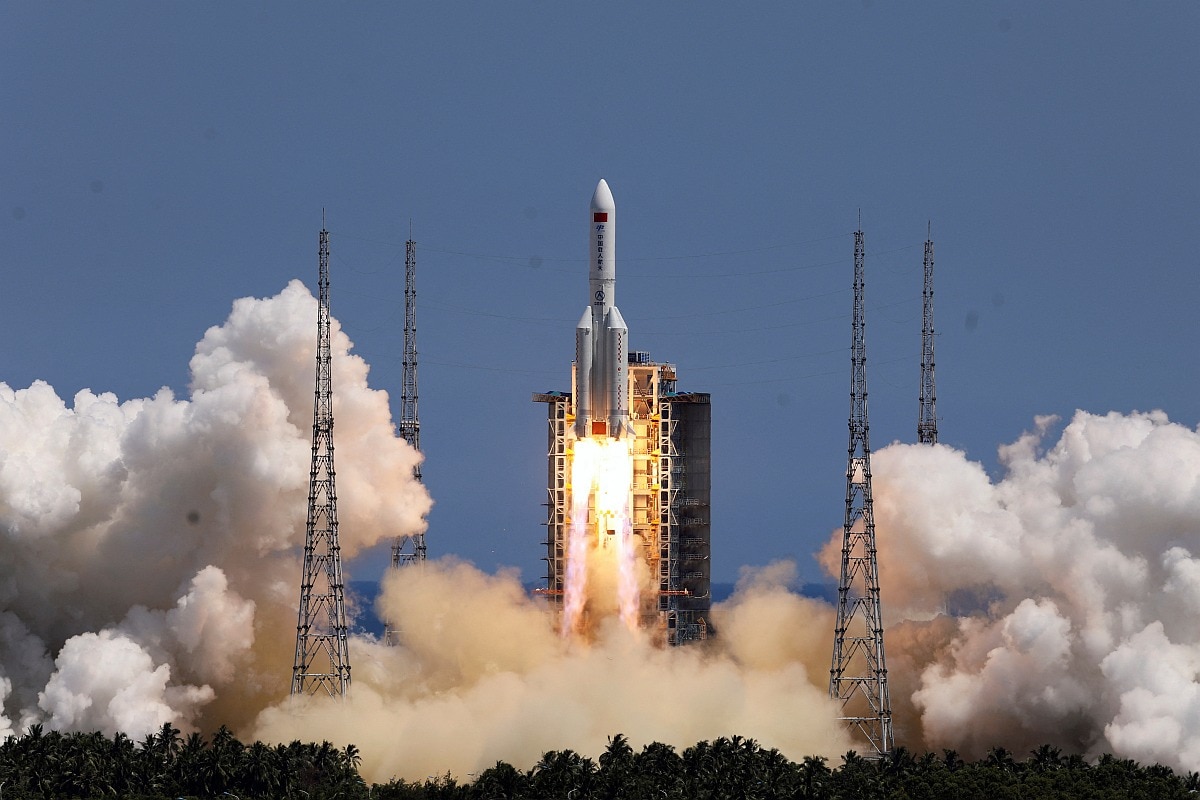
{"type": "Point", "coordinates": [219, 763]}
{"type": "Point", "coordinates": [1045, 759]}
{"type": "Point", "coordinates": [704, 763]}
{"type": "Point", "coordinates": [659, 770]}
{"type": "Point", "coordinates": [897, 763]}
{"type": "Point", "coordinates": [186, 768]}
{"type": "Point", "coordinates": [814, 776]}
{"type": "Point", "coordinates": [502, 782]}
{"type": "Point", "coordinates": [560, 771]}
{"type": "Point", "coordinates": [352, 757]}
{"type": "Point", "coordinates": [618, 752]}
{"type": "Point", "coordinates": [616, 768]}
{"type": "Point", "coordinates": [259, 773]}
{"type": "Point", "coordinates": [169, 741]}
{"type": "Point", "coordinates": [1001, 759]}
{"type": "Point", "coordinates": [951, 760]}
{"type": "Point", "coordinates": [774, 773]}
{"type": "Point", "coordinates": [1192, 782]}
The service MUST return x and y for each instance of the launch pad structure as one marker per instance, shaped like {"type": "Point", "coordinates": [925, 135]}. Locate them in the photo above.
{"type": "Point", "coordinates": [671, 488]}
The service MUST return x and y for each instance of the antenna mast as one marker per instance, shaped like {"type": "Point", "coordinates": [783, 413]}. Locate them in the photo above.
{"type": "Point", "coordinates": [858, 677]}
{"type": "Point", "coordinates": [322, 659]}
{"type": "Point", "coordinates": [927, 419]}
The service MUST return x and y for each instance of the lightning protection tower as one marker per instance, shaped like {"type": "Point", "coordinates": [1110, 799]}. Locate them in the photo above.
{"type": "Point", "coordinates": [408, 549]}
{"type": "Point", "coordinates": [927, 419]}
{"type": "Point", "coordinates": [858, 677]}
{"type": "Point", "coordinates": [322, 659]}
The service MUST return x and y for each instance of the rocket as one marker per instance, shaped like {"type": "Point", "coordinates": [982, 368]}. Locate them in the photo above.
{"type": "Point", "coordinates": [601, 338]}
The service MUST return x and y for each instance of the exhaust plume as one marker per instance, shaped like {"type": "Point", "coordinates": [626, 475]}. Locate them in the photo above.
{"type": "Point", "coordinates": [483, 676]}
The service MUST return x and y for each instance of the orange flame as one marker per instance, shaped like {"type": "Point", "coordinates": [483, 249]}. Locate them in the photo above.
{"type": "Point", "coordinates": [601, 533]}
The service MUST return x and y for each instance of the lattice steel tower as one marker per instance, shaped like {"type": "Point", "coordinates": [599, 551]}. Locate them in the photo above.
{"type": "Point", "coordinates": [410, 549]}
{"type": "Point", "coordinates": [322, 659]}
{"type": "Point", "coordinates": [858, 677]}
{"type": "Point", "coordinates": [927, 420]}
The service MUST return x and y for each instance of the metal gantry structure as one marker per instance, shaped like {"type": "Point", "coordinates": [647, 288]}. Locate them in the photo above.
{"type": "Point", "coordinates": [927, 419]}
{"type": "Point", "coordinates": [322, 660]}
{"type": "Point", "coordinates": [670, 433]}
{"type": "Point", "coordinates": [858, 677]}
{"type": "Point", "coordinates": [410, 548]}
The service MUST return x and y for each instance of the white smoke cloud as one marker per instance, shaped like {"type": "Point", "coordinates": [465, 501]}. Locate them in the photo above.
{"type": "Point", "coordinates": [150, 569]}
{"type": "Point", "coordinates": [1075, 581]}
{"type": "Point", "coordinates": [1155, 680]}
{"type": "Point", "coordinates": [106, 681]}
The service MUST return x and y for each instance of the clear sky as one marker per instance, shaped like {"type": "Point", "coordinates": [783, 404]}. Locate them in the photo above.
{"type": "Point", "coordinates": [161, 160]}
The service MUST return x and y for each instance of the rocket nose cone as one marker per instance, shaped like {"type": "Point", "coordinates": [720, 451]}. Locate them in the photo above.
{"type": "Point", "coordinates": [602, 199]}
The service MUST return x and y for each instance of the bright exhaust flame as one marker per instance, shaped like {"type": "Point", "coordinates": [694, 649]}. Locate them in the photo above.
{"type": "Point", "coordinates": [601, 545]}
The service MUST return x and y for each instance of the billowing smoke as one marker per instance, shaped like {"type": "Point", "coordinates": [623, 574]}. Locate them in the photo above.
{"type": "Point", "coordinates": [1057, 604]}
{"type": "Point", "coordinates": [150, 569]}
{"type": "Point", "coordinates": [151, 575]}
{"type": "Point", "coordinates": [151, 565]}
{"type": "Point", "coordinates": [483, 676]}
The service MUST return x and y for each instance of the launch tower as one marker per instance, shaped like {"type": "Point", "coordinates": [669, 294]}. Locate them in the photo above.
{"type": "Point", "coordinates": [927, 419]}
{"type": "Point", "coordinates": [858, 677]}
{"type": "Point", "coordinates": [322, 660]}
{"type": "Point", "coordinates": [671, 494]}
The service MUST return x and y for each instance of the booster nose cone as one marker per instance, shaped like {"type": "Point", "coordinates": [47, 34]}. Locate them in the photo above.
{"type": "Point", "coordinates": [602, 199]}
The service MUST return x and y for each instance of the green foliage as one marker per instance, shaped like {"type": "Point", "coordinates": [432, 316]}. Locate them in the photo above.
{"type": "Point", "coordinates": [166, 765]}
{"type": "Point", "coordinates": [48, 764]}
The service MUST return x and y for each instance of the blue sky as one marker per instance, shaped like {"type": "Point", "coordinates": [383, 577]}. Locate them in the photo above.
{"type": "Point", "coordinates": [161, 160]}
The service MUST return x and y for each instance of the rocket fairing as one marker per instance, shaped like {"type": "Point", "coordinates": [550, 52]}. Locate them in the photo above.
{"type": "Point", "coordinates": [602, 338]}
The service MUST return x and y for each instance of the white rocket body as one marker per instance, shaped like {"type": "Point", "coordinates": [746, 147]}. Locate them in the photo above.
{"type": "Point", "coordinates": [601, 338]}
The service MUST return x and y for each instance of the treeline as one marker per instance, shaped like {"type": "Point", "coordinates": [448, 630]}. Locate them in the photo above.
{"type": "Point", "coordinates": [166, 764]}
